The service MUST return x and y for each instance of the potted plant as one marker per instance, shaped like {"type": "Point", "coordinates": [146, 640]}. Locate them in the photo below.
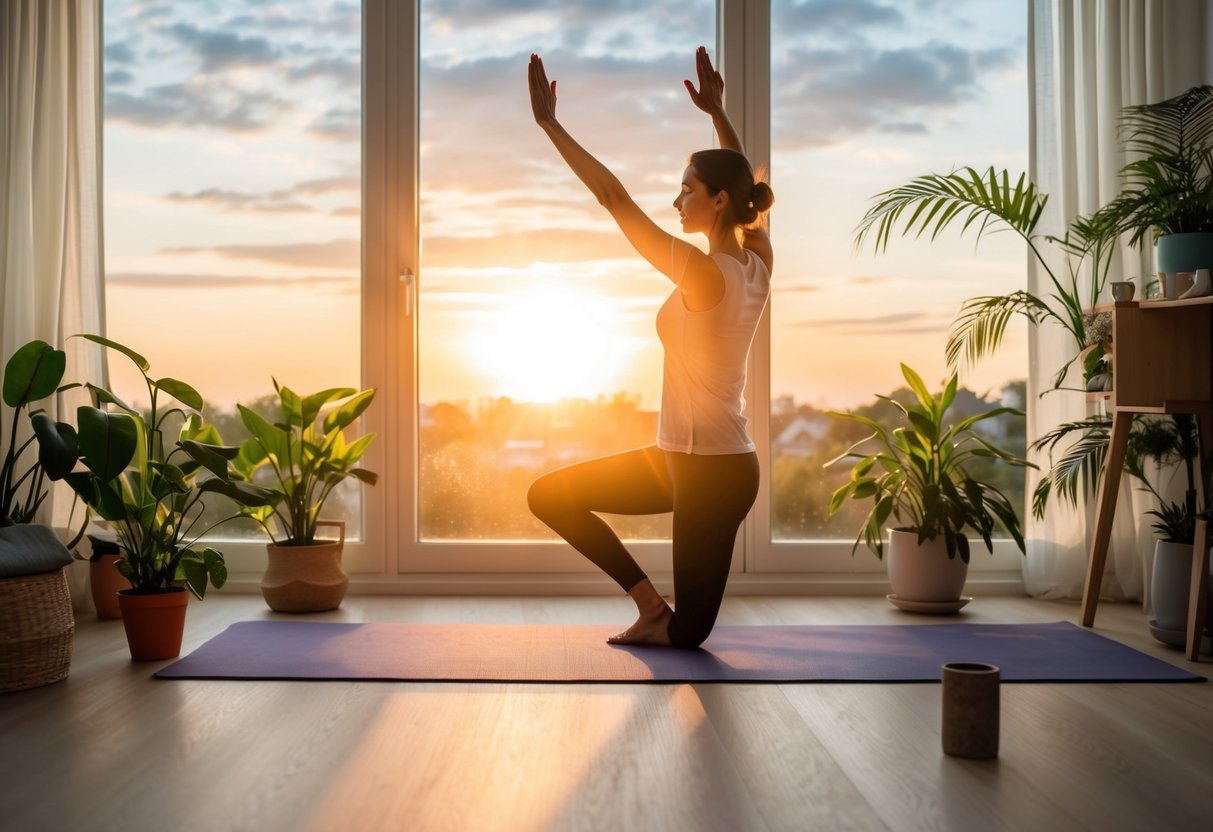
{"type": "Point", "coordinates": [1168, 442]}
{"type": "Point", "coordinates": [917, 474]}
{"type": "Point", "coordinates": [151, 492]}
{"type": "Point", "coordinates": [37, 626]}
{"type": "Point", "coordinates": [302, 457]}
{"type": "Point", "coordinates": [1168, 189]}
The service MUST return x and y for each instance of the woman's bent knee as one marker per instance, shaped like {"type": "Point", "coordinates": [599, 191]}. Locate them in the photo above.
{"type": "Point", "coordinates": [687, 637]}
{"type": "Point", "coordinates": [544, 497]}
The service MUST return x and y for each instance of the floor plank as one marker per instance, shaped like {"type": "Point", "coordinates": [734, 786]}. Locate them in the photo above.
{"type": "Point", "coordinates": [113, 748]}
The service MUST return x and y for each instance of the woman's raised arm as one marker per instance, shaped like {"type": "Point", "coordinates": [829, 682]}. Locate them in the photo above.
{"type": "Point", "coordinates": [710, 98]}
{"type": "Point", "coordinates": [646, 237]}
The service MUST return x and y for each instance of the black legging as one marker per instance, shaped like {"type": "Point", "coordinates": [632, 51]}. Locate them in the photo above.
{"type": "Point", "coordinates": [708, 495]}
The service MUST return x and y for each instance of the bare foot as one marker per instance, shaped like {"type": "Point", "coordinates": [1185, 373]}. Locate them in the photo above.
{"type": "Point", "coordinates": [651, 627]}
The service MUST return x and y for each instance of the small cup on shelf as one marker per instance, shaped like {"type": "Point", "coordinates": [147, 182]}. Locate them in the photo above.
{"type": "Point", "coordinates": [1123, 290]}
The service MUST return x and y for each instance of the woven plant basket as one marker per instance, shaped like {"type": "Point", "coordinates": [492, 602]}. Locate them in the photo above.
{"type": "Point", "coordinates": [36, 629]}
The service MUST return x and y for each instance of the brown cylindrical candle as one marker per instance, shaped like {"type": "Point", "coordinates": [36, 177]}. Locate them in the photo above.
{"type": "Point", "coordinates": [970, 710]}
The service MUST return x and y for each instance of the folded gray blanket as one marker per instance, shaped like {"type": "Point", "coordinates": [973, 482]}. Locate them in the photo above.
{"type": "Point", "coordinates": [30, 549]}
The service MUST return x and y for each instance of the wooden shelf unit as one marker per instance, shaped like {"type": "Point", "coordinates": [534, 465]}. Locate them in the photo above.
{"type": "Point", "coordinates": [1162, 362]}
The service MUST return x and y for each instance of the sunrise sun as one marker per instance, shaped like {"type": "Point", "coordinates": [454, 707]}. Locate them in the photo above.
{"type": "Point", "coordinates": [551, 341]}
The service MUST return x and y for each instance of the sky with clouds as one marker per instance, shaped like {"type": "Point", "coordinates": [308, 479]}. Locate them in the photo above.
{"type": "Point", "coordinates": [233, 180]}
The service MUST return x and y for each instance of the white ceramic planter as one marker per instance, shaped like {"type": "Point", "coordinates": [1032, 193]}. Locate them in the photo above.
{"type": "Point", "coordinates": [923, 573]}
{"type": "Point", "coordinates": [1169, 584]}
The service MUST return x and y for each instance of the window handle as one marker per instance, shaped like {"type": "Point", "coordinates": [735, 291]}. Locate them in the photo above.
{"type": "Point", "coordinates": [410, 285]}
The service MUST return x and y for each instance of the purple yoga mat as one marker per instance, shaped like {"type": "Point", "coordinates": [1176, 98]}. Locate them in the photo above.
{"type": "Point", "coordinates": [1057, 652]}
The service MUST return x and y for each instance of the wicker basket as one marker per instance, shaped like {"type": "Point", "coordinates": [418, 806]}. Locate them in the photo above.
{"type": "Point", "coordinates": [36, 628]}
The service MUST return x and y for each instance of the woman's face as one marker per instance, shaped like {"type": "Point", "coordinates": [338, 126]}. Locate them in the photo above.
{"type": "Point", "coordinates": [696, 207]}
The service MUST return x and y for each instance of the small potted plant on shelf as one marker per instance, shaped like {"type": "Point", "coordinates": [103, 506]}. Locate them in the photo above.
{"type": "Point", "coordinates": [1167, 193]}
{"type": "Point", "coordinates": [37, 626]}
{"type": "Point", "coordinates": [917, 475]}
{"type": "Point", "coordinates": [302, 457]}
{"type": "Point", "coordinates": [150, 491]}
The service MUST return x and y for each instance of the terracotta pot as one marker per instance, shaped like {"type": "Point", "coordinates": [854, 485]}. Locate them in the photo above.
{"type": "Point", "coordinates": [923, 573]}
{"type": "Point", "coordinates": [305, 578]}
{"type": "Point", "coordinates": [154, 623]}
{"type": "Point", "coordinates": [105, 582]}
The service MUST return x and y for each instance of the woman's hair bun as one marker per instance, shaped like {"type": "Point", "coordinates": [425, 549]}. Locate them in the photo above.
{"type": "Point", "coordinates": [763, 197]}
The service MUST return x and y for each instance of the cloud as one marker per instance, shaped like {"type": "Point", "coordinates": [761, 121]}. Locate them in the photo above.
{"type": "Point", "coordinates": [345, 72]}
{"type": "Point", "coordinates": [238, 201]}
{"type": "Point", "coordinates": [835, 16]}
{"type": "Point", "coordinates": [198, 102]}
{"type": "Point", "coordinates": [220, 50]}
{"type": "Point", "coordinates": [795, 287]}
{"type": "Point", "coordinates": [522, 248]}
{"type": "Point", "coordinates": [825, 94]}
{"type": "Point", "coordinates": [119, 52]}
{"type": "Point", "coordinates": [897, 323]}
{"type": "Point", "coordinates": [285, 200]}
{"type": "Point", "coordinates": [343, 124]}
{"type": "Point", "coordinates": [118, 77]}
{"type": "Point", "coordinates": [334, 254]}
{"type": "Point", "coordinates": [511, 250]}
{"type": "Point", "coordinates": [161, 280]}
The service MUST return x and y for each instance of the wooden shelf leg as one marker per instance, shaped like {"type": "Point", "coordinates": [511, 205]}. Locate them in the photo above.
{"type": "Point", "coordinates": [1198, 588]}
{"type": "Point", "coordinates": [1109, 489]}
{"type": "Point", "coordinates": [1198, 594]}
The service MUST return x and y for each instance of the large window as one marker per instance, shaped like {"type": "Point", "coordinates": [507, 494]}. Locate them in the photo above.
{"type": "Point", "coordinates": [232, 201]}
{"type": "Point", "coordinates": [341, 193]}
{"type": "Point", "coordinates": [865, 97]}
{"type": "Point", "coordinates": [536, 336]}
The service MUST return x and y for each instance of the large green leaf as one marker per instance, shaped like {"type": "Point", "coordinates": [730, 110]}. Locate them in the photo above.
{"type": "Point", "coordinates": [212, 457]}
{"type": "Point", "coordinates": [135, 357]}
{"type": "Point", "coordinates": [292, 405]}
{"type": "Point", "coordinates": [33, 373]}
{"type": "Point", "coordinates": [934, 201]}
{"type": "Point", "coordinates": [272, 438]}
{"type": "Point", "coordinates": [108, 441]}
{"type": "Point", "coordinates": [58, 449]}
{"type": "Point", "coordinates": [310, 405]}
{"type": "Point", "coordinates": [246, 494]}
{"type": "Point", "coordinates": [345, 415]}
{"type": "Point", "coordinates": [105, 498]}
{"type": "Point", "coordinates": [919, 387]}
{"type": "Point", "coordinates": [180, 391]}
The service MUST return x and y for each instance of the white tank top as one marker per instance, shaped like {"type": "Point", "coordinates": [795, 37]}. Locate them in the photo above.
{"type": "Point", "coordinates": [704, 374]}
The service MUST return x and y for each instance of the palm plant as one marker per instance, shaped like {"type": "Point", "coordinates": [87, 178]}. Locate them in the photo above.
{"type": "Point", "coordinates": [1164, 442]}
{"type": "Point", "coordinates": [1169, 188]}
{"type": "Point", "coordinates": [987, 202]}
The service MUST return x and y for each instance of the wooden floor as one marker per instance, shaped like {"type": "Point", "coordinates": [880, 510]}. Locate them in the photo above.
{"type": "Point", "coordinates": [113, 748]}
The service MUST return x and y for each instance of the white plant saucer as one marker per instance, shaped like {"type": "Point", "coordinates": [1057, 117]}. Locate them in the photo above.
{"type": "Point", "coordinates": [929, 607]}
{"type": "Point", "coordinates": [1177, 638]}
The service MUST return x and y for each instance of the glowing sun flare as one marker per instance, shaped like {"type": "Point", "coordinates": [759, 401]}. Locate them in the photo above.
{"type": "Point", "coordinates": [550, 341]}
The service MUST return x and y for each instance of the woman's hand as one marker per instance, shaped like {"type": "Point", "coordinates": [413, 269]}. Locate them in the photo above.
{"type": "Point", "coordinates": [710, 95]}
{"type": "Point", "coordinates": [543, 93]}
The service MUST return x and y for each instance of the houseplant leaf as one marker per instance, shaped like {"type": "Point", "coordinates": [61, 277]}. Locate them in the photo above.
{"type": "Point", "coordinates": [32, 373]}
{"type": "Point", "coordinates": [108, 441]}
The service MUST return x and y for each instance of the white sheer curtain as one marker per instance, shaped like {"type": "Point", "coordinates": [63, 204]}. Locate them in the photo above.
{"type": "Point", "coordinates": [50, 179]}
{"type": "Point", "coordinates": [1088, 59]}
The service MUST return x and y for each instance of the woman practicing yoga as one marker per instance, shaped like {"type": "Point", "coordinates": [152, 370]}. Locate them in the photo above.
{"type": "Point", "coordinates": [703, 467]}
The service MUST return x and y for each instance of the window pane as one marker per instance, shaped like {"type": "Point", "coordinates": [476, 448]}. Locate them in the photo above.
{"type": "Point", "coordinates": [866, 97]}
{"type": "Point", "coordinates": [536, 336]}
{"type": "Point", "coordinates": [232, 200]}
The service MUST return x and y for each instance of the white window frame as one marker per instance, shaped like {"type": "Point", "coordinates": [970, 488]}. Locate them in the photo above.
{"type": "Point", "coordinates": [391, 557]}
